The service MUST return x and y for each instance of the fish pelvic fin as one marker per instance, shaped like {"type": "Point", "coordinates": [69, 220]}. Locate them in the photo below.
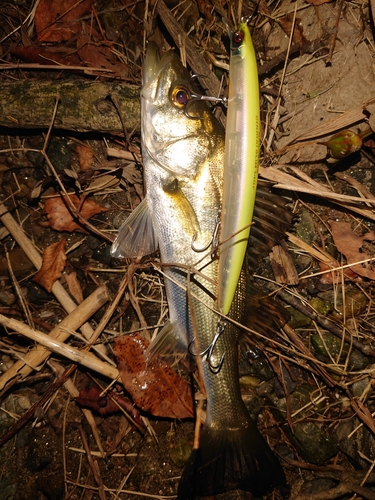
{"type": "Point", "coordinates": [136, 236]}
{"type": "Point", "coordinates": [230, 459]}
{"type": "Point", "coordinates": [168, 342]}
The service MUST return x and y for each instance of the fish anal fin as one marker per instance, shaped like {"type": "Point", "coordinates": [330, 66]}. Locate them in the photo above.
{"type": "Point", "coordinates": [136, 236]}
{"type": "Point", "coordinates": [230, 459]}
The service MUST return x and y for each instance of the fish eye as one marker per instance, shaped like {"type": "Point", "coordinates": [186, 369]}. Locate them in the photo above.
{"type": "Point", "coordinates": [180, 96]}
{"type": "Point", "coordinates": [238, 37]}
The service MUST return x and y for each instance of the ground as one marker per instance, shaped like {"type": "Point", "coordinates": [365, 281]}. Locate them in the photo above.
{"type": "Point", "coordinates": [310, 387]}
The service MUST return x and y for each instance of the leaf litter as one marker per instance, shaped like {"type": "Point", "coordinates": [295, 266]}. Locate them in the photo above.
{"type": "Point", "coordinates": [315, 374]}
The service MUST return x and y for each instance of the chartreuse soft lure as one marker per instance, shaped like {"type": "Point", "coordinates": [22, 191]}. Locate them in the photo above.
{"type": "Point", "coordinates": [240, 163]}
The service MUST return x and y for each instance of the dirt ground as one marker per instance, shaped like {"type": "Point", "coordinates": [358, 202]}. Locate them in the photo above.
{"type": "Point", "coordinates": [310, 387]}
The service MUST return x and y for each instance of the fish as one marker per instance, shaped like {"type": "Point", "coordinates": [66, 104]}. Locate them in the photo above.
{"type": "Point", "coordinates": [241, 162]}
{"type": "Point", "coordinates": [183, 157]}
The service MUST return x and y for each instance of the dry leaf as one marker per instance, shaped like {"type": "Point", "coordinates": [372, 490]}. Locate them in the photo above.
{"type": "Point", "coordinates": [350, 244]}
{"type": "Point", "coordinates": [85, 157]}
{"type": "Point", "coordinates": [287, 24]}
{"type": "Point", "coordinates": [105, 405]}
{"type": "Point", "coordinates": [334, 276]}
{"type": "Point", "coordinates": [39, 55]}
{"type": "Point", "coordinates": [53, 264]}
{"type": "Point", "coordinates": [60, 218]}
{"type": "Point", "coordinates": [154, 386]}
{"type": "Point", "coordinates": [60, 20]}
{"type": "Point", "coordinates": [74, 286]}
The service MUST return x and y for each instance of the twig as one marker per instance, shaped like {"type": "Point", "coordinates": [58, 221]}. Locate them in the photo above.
{"type": "Point", "coordinates": [93, 464]}
{"type": "Point", "coordinates": [85, 358]}
{"type": "Point", "coordinates": [74, 320]}
{"type": "Point", "coordinates": [336, 29]}
{"type": "Point", "coordinates": [31, 411]}
{"type": "Point", "coordinates": [30, 250]}
{"type": "Point", "coordinates": [326, 323]}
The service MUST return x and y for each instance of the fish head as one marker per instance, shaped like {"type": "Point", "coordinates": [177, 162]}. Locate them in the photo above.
{"type": "Point", "coordinates": [177, 141]}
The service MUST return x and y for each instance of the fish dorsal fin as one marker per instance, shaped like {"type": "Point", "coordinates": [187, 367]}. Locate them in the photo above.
{"type": "Point", "coordinates": [168, 342]}
{"type": "Point", "coordinates": [136, 236]}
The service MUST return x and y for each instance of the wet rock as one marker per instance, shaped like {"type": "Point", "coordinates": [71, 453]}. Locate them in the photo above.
{"type": "Point", "coordinates": [103, 254]}
{"type": "Point", "coordinates": [59, 154]}
{"type": "Point", "coordinates": [304, 228]}
{"type": "Point", "coordinates": [8, 488]}
{"type": "Point", "coordinates": [180, 452]}
{"type": "Point", "coordinates": [255, 365]}
{"type": "Point", "coordinates": [6, 362]}
{"type": "Point", "coordinates": [357, 444]}
{"type": "Point", "coordinates": [254, 405]}
{"type": "Point", "coordinates": [312, 443]}
{"type": "Point", "coordinates": [7, 298]}
{"type": "Point", "coordinates": [19, 262]}
{"type": "Point", "coordinates": [355, 303]}
{"type": "Point", "coordinates": [298, 319]}
{"type": "Point", "coordinates": [51, 484]}
{"type": "Point", "coordinates": [37, 294]}
{"type": "Point", "coordinates": [317, 485]}
{"type": "Point", "coordinates": [321, 306]}
{"type": "Point", "coordinates": [331, 347]}
{"type": "Point", "coordinates": [360, 387]}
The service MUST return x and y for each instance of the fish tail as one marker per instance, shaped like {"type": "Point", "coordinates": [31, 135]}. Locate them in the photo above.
{"type": "Point", "coordinates": [230, 459]}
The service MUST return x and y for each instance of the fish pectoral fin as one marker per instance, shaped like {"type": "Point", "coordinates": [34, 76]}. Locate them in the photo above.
{"type": "Point", "coordinates": [167, 343]}
{"type": "Point", "coordinates": [136, 236]}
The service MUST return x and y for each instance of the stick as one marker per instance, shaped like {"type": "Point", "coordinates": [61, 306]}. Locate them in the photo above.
{"type": "Point", "coordinates": [81, 357]}
{"type": "Point", "coordinates": [39, 354]}
{"type": "Point", "coordinates": [30, 250]}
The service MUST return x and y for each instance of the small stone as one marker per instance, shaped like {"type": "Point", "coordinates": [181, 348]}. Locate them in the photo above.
{"type": "Point", "coordinates": [312, 443]}
{"type": "Point", "coordinates": [180, 452]}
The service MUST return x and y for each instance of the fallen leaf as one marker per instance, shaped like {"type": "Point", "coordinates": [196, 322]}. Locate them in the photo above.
{"type": "Point", "coordinates": [329, 278]}
{"type": "Point", "coordinates": [99, 55]}
{"type": "Point", "coordinates": [60, 218]}
{"type": "Point", "coordinates": [289, 26]}
{"type": "Point", "coordinates": [105, 404]}
{"type": "Point", "coordinates": [59, 20]}
{"type": "Point", "coordinates": [53, 264]}
{"type": "Point", "coordinates": [74, 286]}
{"type": "Point", "coordinates": [350, 244]}
{"type": "Point", "coordinates": [85, 157]}
{"type": "Point", "coordinates": [46, 57]}
{"type": "Point", "coordinates": [153, 385]}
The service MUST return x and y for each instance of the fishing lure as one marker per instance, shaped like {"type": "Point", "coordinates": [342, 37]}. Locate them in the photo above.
{"type": "Point", "coordinates": [240, 163]}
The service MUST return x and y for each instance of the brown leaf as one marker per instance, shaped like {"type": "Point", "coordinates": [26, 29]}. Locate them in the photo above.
{"type": "Point", "coordinates": [74, 286]}
{"type": "Point", "coordinates": [59, 20]}
{"type": "Point", "coordinates": [350, 244]}
{"type": "Point", "coordinates": [334, 276]}
{"type": "Point", "coordinates": [286, 23]}
{"type": "Point", "coordinates": [85, 157]}
{"type": "Point", "coordinates": [105, 404]}
{"type": "Point", "coordinates": [99, 55]}
{"type": "Point", "coordinates": [46, 57]}
{"type": "Point", "coordinates": [53, 264]}
{"type": "Point", "coordinates": [153, 385]}
{"type": "Point", "coordinates": [60, 218]}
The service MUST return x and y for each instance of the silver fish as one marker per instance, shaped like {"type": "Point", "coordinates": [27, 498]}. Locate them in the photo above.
{"type": "Point", "coordinates": [183, 157]}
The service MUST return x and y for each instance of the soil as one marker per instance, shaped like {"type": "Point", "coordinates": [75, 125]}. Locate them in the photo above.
{"type": "Point", "coordinates": [310, 387]}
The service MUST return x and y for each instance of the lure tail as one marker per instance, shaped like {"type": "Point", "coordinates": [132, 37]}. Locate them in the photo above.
{"type": "Point", "coordinates": [230, 459]}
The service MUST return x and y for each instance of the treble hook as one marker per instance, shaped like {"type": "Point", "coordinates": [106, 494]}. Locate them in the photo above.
{"type": "Point", "coordinates": [194, 96]}
{"type": "Point", "coordinates": [208, 352]}
{"type": "Point", "coordinates": [214, 240]}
